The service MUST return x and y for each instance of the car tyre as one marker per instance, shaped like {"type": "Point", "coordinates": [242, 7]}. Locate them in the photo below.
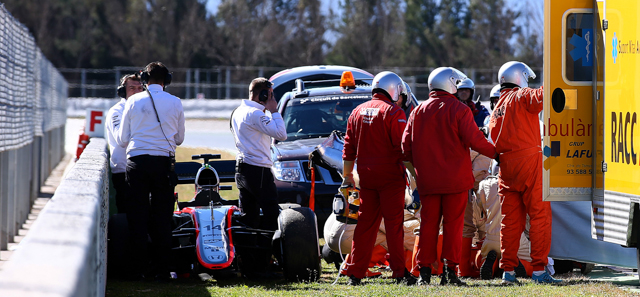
{"type": "Point", "coordinates": [299, 244]}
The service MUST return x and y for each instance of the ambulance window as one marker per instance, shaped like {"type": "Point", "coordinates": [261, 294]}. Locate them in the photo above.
{"type": "Point", "coordinates": [579, 41]}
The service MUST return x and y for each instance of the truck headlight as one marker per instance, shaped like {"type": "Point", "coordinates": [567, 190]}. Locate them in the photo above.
{"type": "Point", "coordinates": [288, 171]}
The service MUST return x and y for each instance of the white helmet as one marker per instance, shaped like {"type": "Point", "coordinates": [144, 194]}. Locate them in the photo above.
{"type": "Point", "coordinates": [446, 79]}
{"type": "Point", "coordinates": [495, 91]}
{"type": "Point", "coordinates": [390, 83]}
{"type": "Point", "coordinates": [406, 90]}
{"type": "Point", "coordinates": [516, 73]}
{"type": "Point", "coordinates": [466, 83]}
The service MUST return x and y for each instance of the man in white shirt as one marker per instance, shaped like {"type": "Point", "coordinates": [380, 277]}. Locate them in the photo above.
{"type": "Point", "coordinates": [152, 126]}
{"type": "Point", "coordinates": [129, 85]}
{"type": "Point", "coordinates": [253, 130]}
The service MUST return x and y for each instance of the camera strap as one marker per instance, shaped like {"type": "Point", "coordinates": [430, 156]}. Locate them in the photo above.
{"type": "Point", "coordinates": [171, 153]}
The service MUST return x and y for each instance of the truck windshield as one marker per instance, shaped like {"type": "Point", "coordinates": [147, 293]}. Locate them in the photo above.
{"type": "Point", "coordinates": [319, 116]}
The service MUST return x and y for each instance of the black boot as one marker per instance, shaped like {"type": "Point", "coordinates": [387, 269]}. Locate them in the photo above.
{"type": "Point", "coordinates": [353, 281]}
{"type": "Point", "coordinates": [407, 279]}
{"type": "Point", "coordinates": [521, 271]}
{"type": "Point", "coordinates": [425, 276]}
{"type": "Point", "coordinates": [452, 276]}
{"type": "Point", "coordinates": [486, 270]}
{"type": "Point", "coordinates": [443, 276]}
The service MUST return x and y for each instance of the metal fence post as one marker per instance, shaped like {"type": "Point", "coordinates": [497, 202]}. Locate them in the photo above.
{"type": "Point", "coordinates": [4, 202]}
{"type": "Point", "coordinates": [117, 82]}
{"type": "Point", "coordinates": [219, 90]}
{"type": "Point", "coordinates": [228, 84]}
{"type": "Point", "coordinates": [187, 85]}
{"type": "Point", "coordinates": [83, 82]}
{"type": "Point", "coordinates": [208, 93]}
{"type": "Point", "coordinates": [34, 188]}
{"type": "Point", "coordinates": [197, 86]}
{"type": "Point", "coordinates": [11, 186]}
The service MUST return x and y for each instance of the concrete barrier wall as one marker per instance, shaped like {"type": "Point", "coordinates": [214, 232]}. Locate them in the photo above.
{"type": "Point", "coordinates": [64, 253]}
{"type": "Point", "coordinates": [23, 171]}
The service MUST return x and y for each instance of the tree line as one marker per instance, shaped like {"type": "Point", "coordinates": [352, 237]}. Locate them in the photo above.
{"type": "Point", "coordinates": [278, 33]}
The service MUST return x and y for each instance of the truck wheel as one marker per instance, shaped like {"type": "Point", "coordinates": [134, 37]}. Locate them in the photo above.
{"type": "Point", "coordinates": [299, 244]}
{"type": "Point", "coordinates": [638, 260]}
{"type": "Point", "coordinates": [118, 243]}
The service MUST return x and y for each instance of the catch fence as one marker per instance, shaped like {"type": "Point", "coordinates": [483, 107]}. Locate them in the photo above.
{"type": "Point", "coordinates": [33, 96]}
{"type": "Point", "coordinates": [232, 82]}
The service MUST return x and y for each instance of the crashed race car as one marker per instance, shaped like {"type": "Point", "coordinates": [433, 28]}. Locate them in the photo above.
{"type": "Point", "coordinates": [210, 237]}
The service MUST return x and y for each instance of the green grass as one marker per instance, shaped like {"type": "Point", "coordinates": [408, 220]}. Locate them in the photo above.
{"type": "Point", "coordinates": [575, 285]}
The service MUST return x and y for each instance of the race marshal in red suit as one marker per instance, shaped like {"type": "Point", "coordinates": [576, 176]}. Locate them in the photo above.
{"type": "Point", "coordinates": [436, 142]}
{"type": "Point", "coordinates": [515, 130]}
{"type": "Point", "coordinates": [374, 131]}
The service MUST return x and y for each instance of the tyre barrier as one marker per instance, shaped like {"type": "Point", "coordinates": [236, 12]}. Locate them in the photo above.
{"type": "Point", "coordinates": [64, 253]}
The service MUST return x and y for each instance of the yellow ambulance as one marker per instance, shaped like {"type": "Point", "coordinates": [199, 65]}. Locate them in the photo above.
{"type": "Point", "coordinates": [591, 122]}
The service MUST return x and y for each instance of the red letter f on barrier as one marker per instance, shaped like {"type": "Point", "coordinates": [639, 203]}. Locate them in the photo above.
{"type": "Point", "coordinates": [96, 118]}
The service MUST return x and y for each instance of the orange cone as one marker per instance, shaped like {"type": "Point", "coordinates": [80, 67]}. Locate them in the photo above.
{"type": "Point", "coordinates": [82, 143]}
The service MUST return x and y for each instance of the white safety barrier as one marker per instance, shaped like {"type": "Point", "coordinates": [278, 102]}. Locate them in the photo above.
{"type": "Point", "coordinates": [64, 253]}
{"type": "Point", "coordinates": [193, 108]}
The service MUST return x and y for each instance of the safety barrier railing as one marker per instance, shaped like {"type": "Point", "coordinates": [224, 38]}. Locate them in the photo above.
{"type": "Point", "coordinates": [33, 96]}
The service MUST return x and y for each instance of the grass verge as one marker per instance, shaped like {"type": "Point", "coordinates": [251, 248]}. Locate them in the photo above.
{"type": "Point", "coordinates": [574, 285]}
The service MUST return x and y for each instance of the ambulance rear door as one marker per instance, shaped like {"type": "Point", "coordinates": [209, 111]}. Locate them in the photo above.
{"type": "Point", "coordinates": [568, 118]}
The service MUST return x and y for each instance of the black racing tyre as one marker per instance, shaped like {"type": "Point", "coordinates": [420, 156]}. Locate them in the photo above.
{"type": "Point", "coordinates": [299, 244]}
{"type": "Point", "coordinates": [118, 245]}
{"type": "Point", "coordinates": [288, 205]}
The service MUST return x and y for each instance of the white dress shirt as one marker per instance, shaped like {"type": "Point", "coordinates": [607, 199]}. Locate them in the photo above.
{"type": "Point", "coordinates": [140, 131]}
{"type": "Point", "coordinates": [118, 159]}
{"type": "Point", "coordinates": [252, 130]}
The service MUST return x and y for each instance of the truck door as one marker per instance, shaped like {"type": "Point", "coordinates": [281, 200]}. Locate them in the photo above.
{"type": "Point", "coordinates": [569, 68]}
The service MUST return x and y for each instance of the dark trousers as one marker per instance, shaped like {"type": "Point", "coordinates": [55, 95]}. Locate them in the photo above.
{"type": "Point", "coordinates": [150, 218]}
{"type": "Point", "coordinates": [258, 191]}
{"type": "Point", "coordinates": [120, 184]}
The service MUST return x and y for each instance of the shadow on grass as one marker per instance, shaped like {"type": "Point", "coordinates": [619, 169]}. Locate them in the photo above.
{"type": "Point", "coordinates": [188, 287]}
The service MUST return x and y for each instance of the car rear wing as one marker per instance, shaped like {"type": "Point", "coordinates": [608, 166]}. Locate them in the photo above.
{"type": "Point", "coordinates": [187, 171]}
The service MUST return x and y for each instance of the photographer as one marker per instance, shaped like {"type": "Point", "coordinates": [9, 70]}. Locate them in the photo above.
{"type": "Point", "coordinates": [129, 85]}
{"type": "Point", "coordinates": [152, 127]}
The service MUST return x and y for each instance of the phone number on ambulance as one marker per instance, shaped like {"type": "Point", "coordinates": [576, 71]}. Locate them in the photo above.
{"type": "Point", "coordinates": [579, 171]}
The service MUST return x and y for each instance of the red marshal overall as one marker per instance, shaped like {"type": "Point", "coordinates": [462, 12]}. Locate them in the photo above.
{"type": "Point", "coordinates": [374, 131]}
